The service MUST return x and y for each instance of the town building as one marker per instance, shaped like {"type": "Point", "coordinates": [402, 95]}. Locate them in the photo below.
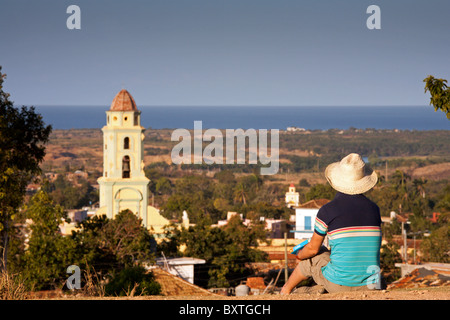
{"type": "Point", "coordinates": [292, 197]}
{"type": "Point", "coordinates": [182, 267]}
{"type": "Point", "coordinates": [124, 184]}
{"type": "Point", "coordinates": [305, 215]}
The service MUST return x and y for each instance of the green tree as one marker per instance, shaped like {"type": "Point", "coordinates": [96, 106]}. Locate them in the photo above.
{"type": "Point", "coordinates": [436, 247]}
{"type": "Point", "coordinates": [203, 241]}
{"type": "Point", "coordinates": [225, 176]}
{"type": "Point", "coordinates": [127, 239]}
{"type": "Point", "coordinates": [241, 241]}
{"type": "Point", "coordinates": [240, 193]}
{"type": "Point", "coordinates": [90, 251]}
{"type": "Point", "coordinates": [194, 193]}
{"type": "Point", "coordinates": [170, 243]}
{"type": "Point", "coordinates": [389, 256]}
{"type": "Point", "coordinates": [440, 94]}
{"type": "Point", "coordinates": [226, 250]}
{"type": "Point", "coordinates": [303, 183]}
{"type": "Point", "coordinates": [163, 186]}
{"type": "Point", "coordinates": [444, 200]}
{"type": "Point", "coordinates": [49, 253]}
{"type": "Point", "coordinates": [106, 244]}
{"type": "Point", "coordinates": [22, 138]}
{"type": "Point", "coordinates": [71, 196]}
{"type": "Point", "coordinates": [111, 246]}
{"type": "Point", "coordinates": [320, 191]}
{"type": "Point", "coordinates": [132, 281]}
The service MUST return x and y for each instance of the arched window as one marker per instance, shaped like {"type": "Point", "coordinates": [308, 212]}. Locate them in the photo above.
{"type": "Point", "coordinates": [126, 167]}
{"type": "Point", "coordinates": [126, 143]}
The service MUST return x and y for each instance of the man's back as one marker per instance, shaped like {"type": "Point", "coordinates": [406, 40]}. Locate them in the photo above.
{"type": "Point", "coordinates": [352, 223]}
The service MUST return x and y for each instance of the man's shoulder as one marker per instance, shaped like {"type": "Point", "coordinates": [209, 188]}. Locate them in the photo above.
{"type": "Point", "coordinates": [370, 203]}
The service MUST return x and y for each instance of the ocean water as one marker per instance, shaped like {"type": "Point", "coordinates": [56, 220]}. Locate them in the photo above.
{"type": "Point", "coordinates": [312, 118]}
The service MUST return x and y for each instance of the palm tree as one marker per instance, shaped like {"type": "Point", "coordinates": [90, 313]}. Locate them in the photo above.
{"type": "Point", "coordinates": [419, 186]}
{"type": "Point", "coordinates": [399, 179]}
{"type": "Point", "coordinates": [240, 194]}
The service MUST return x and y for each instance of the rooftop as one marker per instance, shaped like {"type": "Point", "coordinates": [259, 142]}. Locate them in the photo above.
{"type": "Point", "coordinates": [123, 101]}
{"type": "Point", "coordinates": [313, 204]}
{"type": "Point", "coordinates": [175, 286]}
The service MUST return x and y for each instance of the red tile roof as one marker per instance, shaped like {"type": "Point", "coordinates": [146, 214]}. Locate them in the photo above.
{"type": "Point", "coordinates": [314, 204]}
{"type": "Point", "coordinates": [123, 101]}
{"type": "Point", "coordinates": [421, 277]}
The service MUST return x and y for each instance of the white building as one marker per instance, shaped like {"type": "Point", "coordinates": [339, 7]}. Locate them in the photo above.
{"type": "Point", "coordinates": [293, 129]}
{"type": "Point", "coordinates": [305, 215]}
{"type": "Point", "coordinates": [182, 267]}
{"type": "Point", "coordinates": [292, 197]}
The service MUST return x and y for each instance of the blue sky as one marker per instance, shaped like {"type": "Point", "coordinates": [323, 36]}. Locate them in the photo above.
{"type": "Point", "coordinates": [224, 52]}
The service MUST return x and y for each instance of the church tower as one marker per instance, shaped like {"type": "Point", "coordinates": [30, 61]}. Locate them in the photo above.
{"type": "Point", "coordinates": [292, 197]}
{"type": "Point", "coordinates": [123, 184]}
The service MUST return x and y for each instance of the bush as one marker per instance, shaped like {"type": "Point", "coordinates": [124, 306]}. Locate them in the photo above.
{"type": "Point", "coordinates": [11, 287]}
{"type": "Point", "coordinates": [133, 281]}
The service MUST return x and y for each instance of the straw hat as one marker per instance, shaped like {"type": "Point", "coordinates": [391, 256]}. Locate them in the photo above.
{"type": "Point", "coordinates": [351, 175]}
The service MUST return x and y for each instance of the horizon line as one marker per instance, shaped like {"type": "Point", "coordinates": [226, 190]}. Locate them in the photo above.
{"type": "Point", "coordinates": [228, 106]}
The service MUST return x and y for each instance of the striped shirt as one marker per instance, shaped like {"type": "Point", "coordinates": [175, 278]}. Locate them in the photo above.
{"type": "Point", "coordinates": [352, 223]}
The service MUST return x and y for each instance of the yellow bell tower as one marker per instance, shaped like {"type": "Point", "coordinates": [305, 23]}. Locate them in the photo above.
{"type": "Point", "coordinates": [123, 184]}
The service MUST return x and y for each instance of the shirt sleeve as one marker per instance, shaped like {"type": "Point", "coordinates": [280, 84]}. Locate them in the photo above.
{"type": "Point", "coordinates": [320, 227]}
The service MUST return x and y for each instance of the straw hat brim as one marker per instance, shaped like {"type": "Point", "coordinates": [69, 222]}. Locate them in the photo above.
{"type": "Point", "coordinates": [333, 175]}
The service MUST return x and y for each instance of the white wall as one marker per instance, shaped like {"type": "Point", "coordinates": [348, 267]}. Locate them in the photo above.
{"type": "Point", "coordinates": [300, 214]}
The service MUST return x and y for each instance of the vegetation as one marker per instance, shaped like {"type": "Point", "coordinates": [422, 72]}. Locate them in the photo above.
{"type": "Point", "coordinates": [132, 281]}
{"type": "Point", "coordinates": [440, 94]}
{"type": "Point", "coordinates": [11, 288]}
{"type": "Point", "coordinates": [226, 250]}
{"type": "Point", "coordinates": [71, 195]}
{"type": "Point", "coordinates": [46, 246]}
{"type": "Point", "coordinates": [22, 138]}
{"type": "Point", "coordinates": [201, 195]}
{"type": "Point", "coordinates": [117, 249]}
{"type": "Point", "coordinates": [435, 247]}
{"type": "Point", "coordinates": [110, 248]}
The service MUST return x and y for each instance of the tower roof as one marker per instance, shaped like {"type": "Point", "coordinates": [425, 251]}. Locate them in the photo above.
{"type": "Point", "coordinates": [123, 101]}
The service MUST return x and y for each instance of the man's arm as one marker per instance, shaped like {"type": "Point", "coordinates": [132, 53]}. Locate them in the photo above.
{"type": "Point", "coordinates": [312, 247]}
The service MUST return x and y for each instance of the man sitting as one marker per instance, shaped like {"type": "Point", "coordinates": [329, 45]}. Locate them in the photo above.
{"type": "Point", "coordinates": [352, 224]}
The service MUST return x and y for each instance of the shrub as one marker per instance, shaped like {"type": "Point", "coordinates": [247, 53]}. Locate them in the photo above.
{"type": "Point", "coordinates": [11, 288]}
{"type": "Point", "coordinates": [132, 281]}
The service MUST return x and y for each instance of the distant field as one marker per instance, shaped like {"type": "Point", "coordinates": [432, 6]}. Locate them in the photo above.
{"type": "Point", "coordinates": [420, 153]}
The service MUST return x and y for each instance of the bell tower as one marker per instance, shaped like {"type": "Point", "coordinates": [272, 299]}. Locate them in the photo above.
{"type": "Point", "coordinates": [123, 184]}
{"type": "Point", "coordinates": [292, 197]}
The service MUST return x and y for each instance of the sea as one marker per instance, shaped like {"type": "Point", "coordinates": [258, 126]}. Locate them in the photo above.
{"type": "Point", "coordinates": [277, 117]}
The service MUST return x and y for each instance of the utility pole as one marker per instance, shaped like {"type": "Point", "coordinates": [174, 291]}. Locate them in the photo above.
{"type": "Point", "coordinates": [405, 244]}
{"type": "Point", "coordinates": [285, 259]}
{"type": "Point", "coordinates": [386, 174]}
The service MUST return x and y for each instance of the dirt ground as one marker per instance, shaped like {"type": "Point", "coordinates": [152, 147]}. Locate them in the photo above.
{"type": "Point", "coordinates": [435, 293]}
{"type": "Point", "coordinates": [442, 293]}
